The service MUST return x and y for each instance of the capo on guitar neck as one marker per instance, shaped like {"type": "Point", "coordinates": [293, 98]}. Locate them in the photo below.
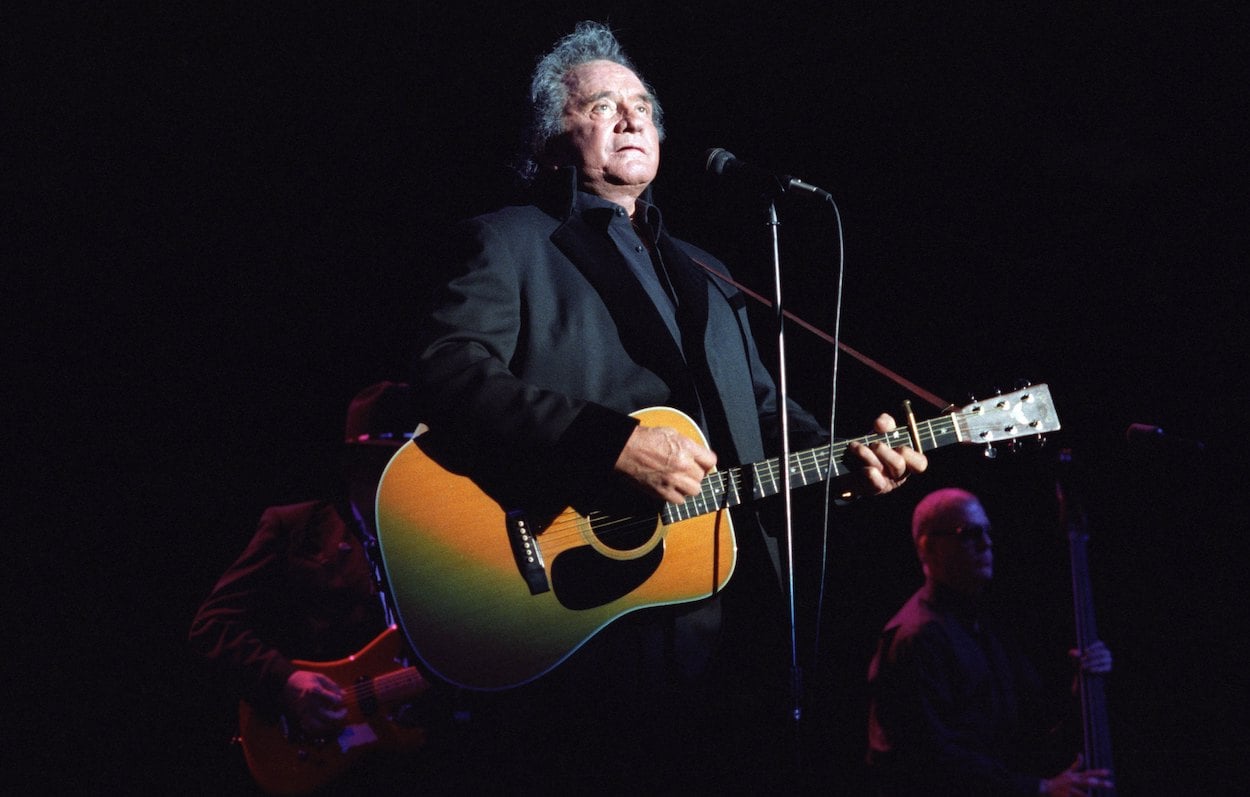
{"type": "Point", "coordinates": [912, 428]}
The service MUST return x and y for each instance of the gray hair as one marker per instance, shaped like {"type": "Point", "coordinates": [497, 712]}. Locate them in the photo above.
{"type": "Point", "coordinates": [589, 41]}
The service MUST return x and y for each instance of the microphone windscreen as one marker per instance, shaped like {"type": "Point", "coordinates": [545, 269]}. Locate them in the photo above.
{"type": "Point", "coordinates": [715, 160]}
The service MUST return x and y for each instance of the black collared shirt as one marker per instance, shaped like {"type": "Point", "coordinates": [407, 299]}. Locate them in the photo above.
{"type": "Point", "coordinates": [644, 260]}
{"type": "Point", "coordinates": [954, 709]}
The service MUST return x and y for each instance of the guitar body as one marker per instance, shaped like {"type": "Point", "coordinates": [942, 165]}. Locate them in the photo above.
{"type": "Point", "coordinates": [458, 585]}
{"type": "Point", "coordinates": [283, 760]}
{"type": "Point", "coordinates": [491, 597]}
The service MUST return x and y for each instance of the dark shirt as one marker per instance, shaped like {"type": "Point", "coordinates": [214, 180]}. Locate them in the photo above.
{"type": "Point", "coordinates": [954, 704]}
{"type": "Point", "coordinates": [641, 256]}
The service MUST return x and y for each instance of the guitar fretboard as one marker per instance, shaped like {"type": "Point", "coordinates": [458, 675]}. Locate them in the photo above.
{"type": "Point", "coordinates": [389, 687]}
{"type": "Point", "coordinates": [734, 486]}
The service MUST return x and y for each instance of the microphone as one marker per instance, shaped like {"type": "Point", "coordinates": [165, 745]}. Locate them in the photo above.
{"type": "Point", "coordinates": [723, 163]}
{"type": "Point", "coordinates": [1145, 435]}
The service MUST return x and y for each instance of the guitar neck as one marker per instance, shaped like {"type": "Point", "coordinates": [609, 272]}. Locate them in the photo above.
{"type": "Point", "coordinates": [387, 688]}
{"type": "Point", "coordinates": [734, 486]}
{"type": "Point", "coordinates": [1025, 412]}
{"type": "Point", "coordinates": [1094, 714]}
{"type": "Point", "coordinates": [399, 685]}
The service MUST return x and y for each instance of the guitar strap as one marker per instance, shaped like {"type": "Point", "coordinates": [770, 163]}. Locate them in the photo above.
{"type": "Point", "coordinates": [936, 401]}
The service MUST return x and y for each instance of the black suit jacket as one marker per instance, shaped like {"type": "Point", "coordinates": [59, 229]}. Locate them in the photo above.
{"type": "Point", "coordinates": [539, 348]}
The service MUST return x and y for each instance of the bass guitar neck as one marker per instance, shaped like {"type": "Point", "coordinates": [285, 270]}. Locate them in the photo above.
{"type": "Point", "coordinates": [1095, 720]}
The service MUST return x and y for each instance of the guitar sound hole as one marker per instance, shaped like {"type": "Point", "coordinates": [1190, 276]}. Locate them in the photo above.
{"type": "Point", "coordinates": [625, 535]}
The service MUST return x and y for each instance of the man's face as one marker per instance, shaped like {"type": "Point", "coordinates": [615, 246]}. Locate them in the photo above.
{"type": "Point", "coordinates": [957, 548]}
{"type": "Point", "coordinates": [609, 130]}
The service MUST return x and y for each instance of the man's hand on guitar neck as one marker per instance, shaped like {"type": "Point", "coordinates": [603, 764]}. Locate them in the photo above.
{"type": "Point", "coordinates": [315, 701]}
{"type": "Point", "coordinates": [665, 463]}
{"type": "Point", "coordinates": [883, 468]}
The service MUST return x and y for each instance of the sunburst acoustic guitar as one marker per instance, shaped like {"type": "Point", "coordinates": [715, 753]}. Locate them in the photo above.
{"type": "Point", "coordinates": [490, 597]}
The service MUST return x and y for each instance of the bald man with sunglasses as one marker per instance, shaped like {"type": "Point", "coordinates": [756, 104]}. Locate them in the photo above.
{"type": "Point", "coordinates": [956, 708]}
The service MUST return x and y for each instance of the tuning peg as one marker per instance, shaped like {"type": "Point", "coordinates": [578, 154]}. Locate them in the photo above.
{"type": "Point", "coordinates": [990, 452]}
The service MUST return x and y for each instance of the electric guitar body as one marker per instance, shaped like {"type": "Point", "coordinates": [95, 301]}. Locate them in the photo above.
{"type": "Point", "coordinates": [283, 759]}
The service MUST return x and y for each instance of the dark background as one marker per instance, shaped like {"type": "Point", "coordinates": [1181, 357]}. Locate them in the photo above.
{"type": "Point", "coordinates": [227, 219]}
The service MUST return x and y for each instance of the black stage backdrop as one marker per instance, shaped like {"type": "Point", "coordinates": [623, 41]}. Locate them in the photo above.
{"type": "Point", "coordinates": [227, 218]}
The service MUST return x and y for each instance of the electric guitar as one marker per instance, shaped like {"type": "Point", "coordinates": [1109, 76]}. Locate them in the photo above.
{"type": "Point", "coordinates": [283, 759]}
{"type": "Point", "coordinates": [491, 597]}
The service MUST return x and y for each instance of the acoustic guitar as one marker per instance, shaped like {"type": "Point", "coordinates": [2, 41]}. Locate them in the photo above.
{"type": "Point", "coordinates": [491, 597]}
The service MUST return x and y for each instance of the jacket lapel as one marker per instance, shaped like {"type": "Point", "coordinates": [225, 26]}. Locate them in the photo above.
{"type": "Point", "coordinates": [642, 330]}
{"type": "Point", "coordinates": [691, 285]}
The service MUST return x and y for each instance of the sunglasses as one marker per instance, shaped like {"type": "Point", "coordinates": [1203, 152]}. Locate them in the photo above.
{"type": "Point", "coordinates": [970, 532]}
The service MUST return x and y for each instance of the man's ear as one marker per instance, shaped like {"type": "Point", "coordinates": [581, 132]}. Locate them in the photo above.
{"type": "Point", "coordinates": [922, 554]}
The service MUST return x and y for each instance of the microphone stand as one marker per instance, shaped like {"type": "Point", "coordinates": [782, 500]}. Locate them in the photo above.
{"type": "Point", "coordinates": [788, 569]}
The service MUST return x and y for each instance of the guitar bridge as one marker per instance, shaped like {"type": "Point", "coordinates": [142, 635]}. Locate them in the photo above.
{"type": "Point", "coordinates": [529, 559]}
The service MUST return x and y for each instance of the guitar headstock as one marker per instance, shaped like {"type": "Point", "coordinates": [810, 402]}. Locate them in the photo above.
{"type": "Point", "coordinates": [1023, 413]}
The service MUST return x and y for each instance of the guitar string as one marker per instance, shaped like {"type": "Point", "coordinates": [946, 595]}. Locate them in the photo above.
{"type": "Point", "coordinates": [722, 484]}
{"type": "Point", "coordinates": [716, 487]}
{"type": "Point", "coordinates": [606, 525]}
{"type": "Point", "coordinates": [409, 676]}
